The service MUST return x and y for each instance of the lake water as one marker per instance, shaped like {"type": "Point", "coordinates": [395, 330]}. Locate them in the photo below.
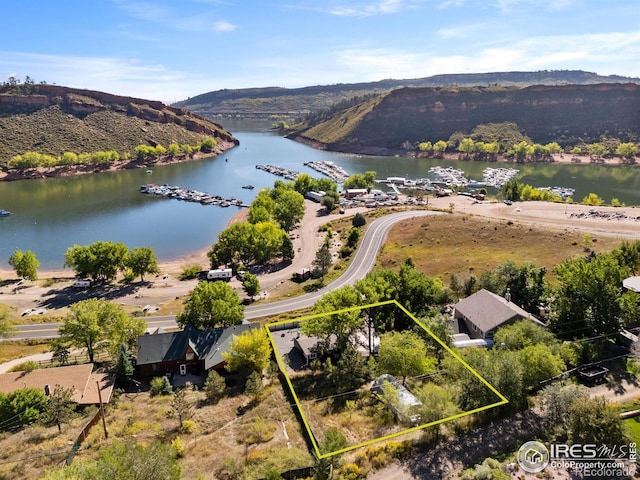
{"type": "Point", "coordinates": [51, 215]}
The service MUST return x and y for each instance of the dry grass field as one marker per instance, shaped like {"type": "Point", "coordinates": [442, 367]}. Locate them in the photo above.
{"type": "Point", "coordinates": [464, 245]}
{"type": "Point", "coordinates": [220, 441]}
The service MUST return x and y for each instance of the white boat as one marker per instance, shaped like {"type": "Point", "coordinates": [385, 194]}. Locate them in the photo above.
{"type": "Point", "coordinates": [4, 213]}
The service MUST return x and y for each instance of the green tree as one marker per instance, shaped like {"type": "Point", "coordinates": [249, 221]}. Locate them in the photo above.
{"type": "Point", "coordinates": [351, 371]}
{"type": "Point", "coordinates": [181, 406]}
{"type": "Point", "coordinates": [539, 364]}
{"type": "Point", "coordinates": [358, 220]}
{"type": "Point", "coordinates": [525, 283]}
{"type": "Point", "coordinates": [211, 305]}
{"type": "Point", "coordinates": [342, 324]}
{"type": "Point", "coordinates": [522, 334]}
{"type": "Point", "coordinates": [286, 250]}
{"type": "Point", "coordinates": [403, 354]}
{"type": "Point", "coordinates": [100, 260]}
{"type": "Point", "coordinates": [511, 190]}
{"type": "Point", "coordinates": [329, 203]}
{"type": "Point", "coordinates": [593, 199]}
{"type": "Point", "coordinates": [586, 301]}
{"type": "Point", "coordinates": [250, 284]}
{"type": "Point", "coordinates": [234, 245]}
{"type": "Point", "coordinates": [425, 146]}
{"type": "Point", "coordinates": [267, 241]}
{"type": "Point", "coordinates": [597, 150]}
{"type": "Point", "coordinates": [556, 400]}
{"type": "Point", "coordinates": [20, 407]}
{"type": "Point", "coordinates": [258, 214]}
{"type": "Point", "coordinates": [6, 327]}
{"type": "Point", "coordinates": [595, 421]}
{"type": "Point", "coordinates": [214, 386]}
{"type": "Point", "coordinates": [501, 368]}
{"type": "Point", "coordinates": [159, 386]}
{"type": "Point", "coordinates": [466, 146]}
{"type": "Point", "coordinates": [254, 386]}
{"type": "Point", "coordinates": [417, 292]}
{"type": "Point", "coordinates": [353, 237]}
{"type": "Point", "coordinates": [323, 260]}
{"type": "Point", "coordinates": [60, 352]}
{"type": "Point", "coordinates": [627, 151]}
{"type": "Point", "coordinates": [208, 145]}
{"type": "Point", "coordinates": [125, 461]}
{"type": "Point", "coordinates": [85, 326]}
{"type": "Point", "coordinates": [439, 148]}
{"type": "Point", "coordinates": [120, 327]}
{"type": "Point", "coordinates": [437, 403]}
{"type": "Point", "coordinates": [25, 264]}
{"type": "Point", "coordinates": [333, 441]}
{"type": "Point", "coordinates": [123, 368]}
{"type": "Point", "coordinates": [522, 150]}
{"type": "Point", "coordinates": [303, 184]}
{"type": "Point", "coordinates": [248, 352]}
{"type": "Point", "coordinates": [59, 408]}
{"type": "Point", "coordinates": [288, 209]}
{"type": "Point", "coordinates": [360, 180]}
{"type": "Point", "coordinates": [142, 260]}
{"type": "Point", "coordinates": [440, 325]}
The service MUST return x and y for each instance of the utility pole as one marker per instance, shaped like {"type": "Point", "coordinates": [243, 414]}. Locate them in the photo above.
{"type": "Point", "coordinates": [104, 422]}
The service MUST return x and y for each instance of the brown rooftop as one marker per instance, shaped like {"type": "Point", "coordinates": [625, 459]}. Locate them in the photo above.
{"type": "Point", "coordinates": [80, 378]}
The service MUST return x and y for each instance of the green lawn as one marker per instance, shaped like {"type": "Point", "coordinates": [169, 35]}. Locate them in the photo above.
{"type": "Point", "coordinates": [633, 426]}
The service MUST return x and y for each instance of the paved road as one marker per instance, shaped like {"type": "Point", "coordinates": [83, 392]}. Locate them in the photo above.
{"type": "Point", "coordinates": [363, 261]}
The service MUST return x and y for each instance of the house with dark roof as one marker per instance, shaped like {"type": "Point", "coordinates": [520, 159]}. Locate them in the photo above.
{"type": "Point", "coordinates": [481, 314]}
{"type": "Point", "coordinates": [186, 352]}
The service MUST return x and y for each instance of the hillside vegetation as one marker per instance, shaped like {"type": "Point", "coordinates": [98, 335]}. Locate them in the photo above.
{"type": "Point", "coordinates": [291, 102]}
{"type": "Point", "coordinates": [51, 120]}
{"type": "Point", "coordinates": [397, 121]}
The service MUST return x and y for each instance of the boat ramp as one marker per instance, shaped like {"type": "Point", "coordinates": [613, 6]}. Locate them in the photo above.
{"type": "Point", "coordinates": [187, 195]}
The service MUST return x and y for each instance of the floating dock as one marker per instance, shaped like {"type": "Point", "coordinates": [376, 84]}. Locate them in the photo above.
{"type": "Point", "coordinates": [187, 195]}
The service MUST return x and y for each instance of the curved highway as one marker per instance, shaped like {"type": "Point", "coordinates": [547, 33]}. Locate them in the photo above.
{"type": "Point", "coordinates": [363, 261]}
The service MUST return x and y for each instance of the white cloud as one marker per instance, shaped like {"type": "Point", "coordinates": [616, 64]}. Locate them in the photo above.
{"type": "Point", "coordinates": [380, 7]}
{"type": "Point", "coordinates": [224, 26]}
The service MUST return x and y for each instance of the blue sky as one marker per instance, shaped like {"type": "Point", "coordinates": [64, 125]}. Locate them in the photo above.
{"type": "Point", "coordinates": [170, 50]}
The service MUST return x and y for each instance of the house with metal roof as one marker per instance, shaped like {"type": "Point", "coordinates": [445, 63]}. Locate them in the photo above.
{"type": "Point", "coordinates": [481, 314]}
{"type": "Point", "coordinates": [186, 352]}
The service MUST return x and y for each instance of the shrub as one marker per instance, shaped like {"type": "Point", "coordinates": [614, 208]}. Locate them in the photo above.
{"type": "Point", "coordinates": [178, 447]}
{"type": "Point", "coordinates": [160, 386]}
{"type": "Point", "coordinates": [358, 220]}
{"type": "Point", "coordinates": [27, 366]}
{"type": "Point", "coordinates": [351, 471]}
{"type": "Point", "coordinates": [189, 426]}
{"type": "Point", "coordinates": [190, 272]}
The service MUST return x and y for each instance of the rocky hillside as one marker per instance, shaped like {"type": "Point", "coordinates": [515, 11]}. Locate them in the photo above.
{"type": "Point", "coordinates": [291, 102]}
{"type": "Point", "coordinates": [52, 119]}
{"type": "Point", "coordinates": [566, 114]}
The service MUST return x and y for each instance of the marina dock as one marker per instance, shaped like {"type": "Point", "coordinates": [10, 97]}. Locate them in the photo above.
{"type": "Point", "coordinates": [187, 195]}
{"type": "Point", "coordinates": [329, 169]}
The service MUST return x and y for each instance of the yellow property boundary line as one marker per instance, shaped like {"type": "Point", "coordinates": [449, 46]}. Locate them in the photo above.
{"type": "Point", "coordinates": [503, 400]}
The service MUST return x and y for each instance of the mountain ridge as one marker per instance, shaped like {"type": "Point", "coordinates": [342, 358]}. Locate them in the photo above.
{"type": "Point", "coordinates": [290, 102]}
